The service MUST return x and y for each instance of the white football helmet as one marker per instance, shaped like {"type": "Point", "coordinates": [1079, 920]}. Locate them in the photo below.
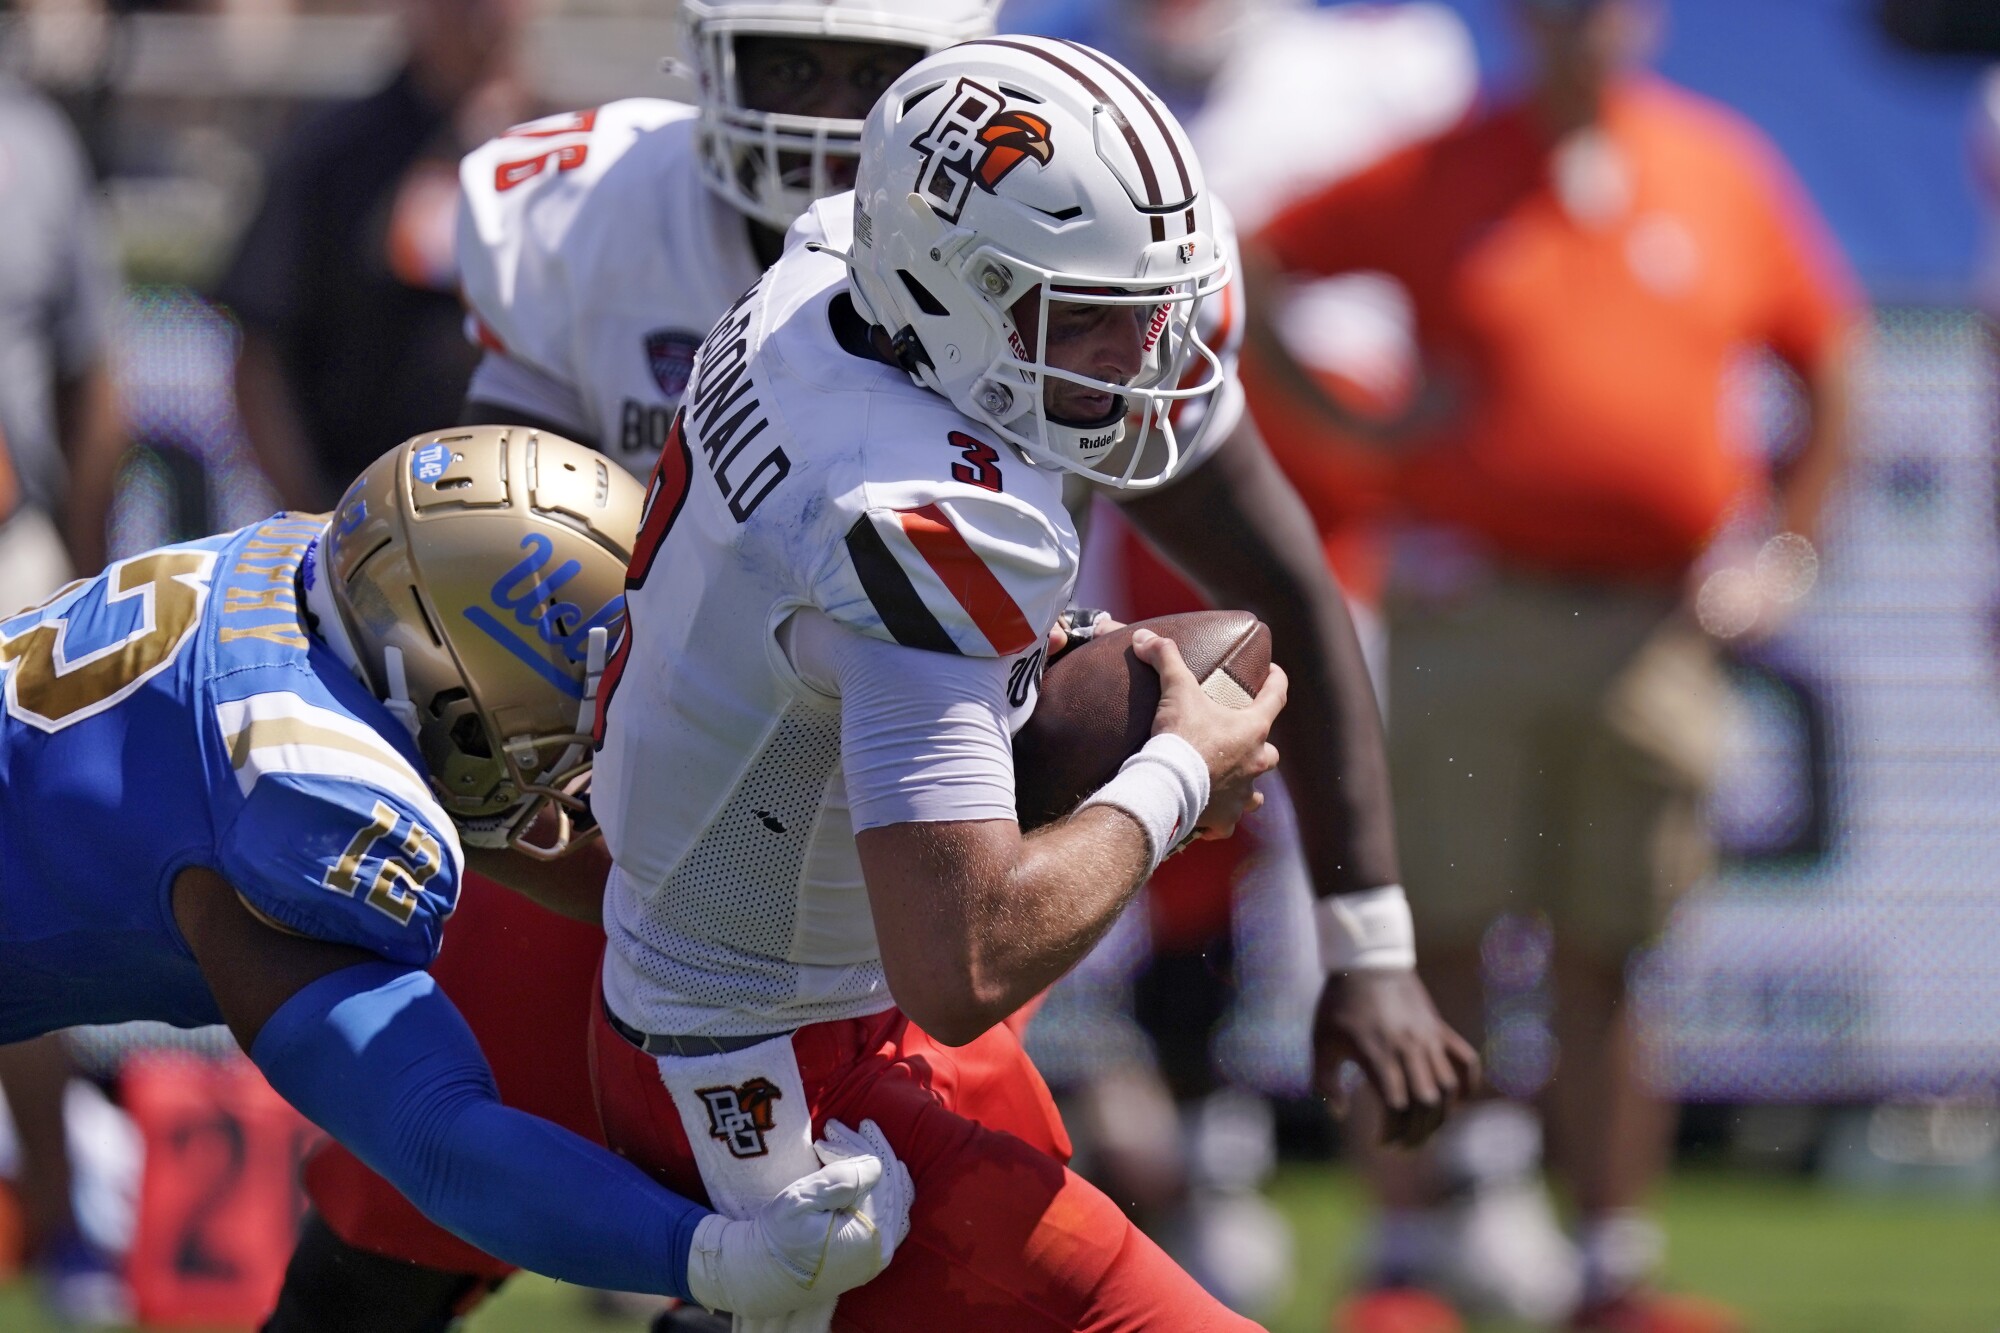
{"type": "Point", "coordinates": [1016, 165]}
{"type": "Point", "coordinates": [770, 166]}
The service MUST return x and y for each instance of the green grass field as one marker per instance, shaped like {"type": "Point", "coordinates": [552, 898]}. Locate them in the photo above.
{"type": "Point", "coordinates": [1795, 1257]}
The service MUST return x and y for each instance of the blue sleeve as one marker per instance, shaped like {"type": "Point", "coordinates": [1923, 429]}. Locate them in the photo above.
{"type": "Point", "coordinates": [336, 859]}
{"type": "Point", "coordinates": [378, 1057]}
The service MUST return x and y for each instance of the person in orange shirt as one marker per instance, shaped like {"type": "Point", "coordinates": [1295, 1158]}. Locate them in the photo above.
{"type": "Point", "coordinates": [1587, 265]}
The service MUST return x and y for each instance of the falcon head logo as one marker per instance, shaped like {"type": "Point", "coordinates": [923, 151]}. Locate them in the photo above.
{"type": "Point", "coordinates": [1011, 138]}
{"type": "Point", "coordinates": [740, 1117]}
{"type": "Point", "coordinates": [975, 139]}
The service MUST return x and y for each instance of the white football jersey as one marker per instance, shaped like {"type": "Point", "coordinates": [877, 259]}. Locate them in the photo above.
{"type": "Point", "coordinates": [593, 257]}
{"type": "Point", "coordinates": [803, 473]}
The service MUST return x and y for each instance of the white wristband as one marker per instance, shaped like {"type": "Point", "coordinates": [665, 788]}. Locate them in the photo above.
{"type": "Point", "coordinates": [1370, 931]}
{"type": "Point", "coordinates": [1164, 787]}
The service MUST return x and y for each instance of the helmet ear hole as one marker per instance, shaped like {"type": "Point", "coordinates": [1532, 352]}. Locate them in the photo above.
{"type": "Point", "coordinates": [926, 301]}
{"type": "Point", "coordinates": [468, 734]}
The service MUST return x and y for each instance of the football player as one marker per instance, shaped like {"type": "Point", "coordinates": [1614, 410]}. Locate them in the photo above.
{"type": "Point", "coordinates": [235, 779]}
{"type": "Point", "coordinates": [854, 552]}
{"type": "Point", "coordinates": [596, 250]}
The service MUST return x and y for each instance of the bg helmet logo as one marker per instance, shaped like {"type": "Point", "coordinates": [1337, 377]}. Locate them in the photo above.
{"type": "Point", "coordinates": [976, 140]}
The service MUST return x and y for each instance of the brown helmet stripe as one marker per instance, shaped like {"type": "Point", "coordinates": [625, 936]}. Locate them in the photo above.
{"type": "Point", "coordinates": [1118, 118]}
{"type": "Point", "coordinates": [1124, 77]}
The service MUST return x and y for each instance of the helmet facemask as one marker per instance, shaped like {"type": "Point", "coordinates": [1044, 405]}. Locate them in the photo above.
{"type": "Point", "coordinates": [1013, 396]}
{"type": "Point", "coordinates": [1132, 447]}
{"type": "Point", "coordinates": [772, 165]}
{"type": "Point", "coordinates": [768, 165]}
{"type": "Point", "coordinates": [536, 788]}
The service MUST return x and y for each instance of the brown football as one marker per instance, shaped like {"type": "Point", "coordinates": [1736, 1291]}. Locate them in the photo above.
{"type": "Point", "coordinates": [1097, 702]}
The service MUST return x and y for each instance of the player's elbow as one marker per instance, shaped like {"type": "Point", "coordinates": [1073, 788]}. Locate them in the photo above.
{"type": "Point", "coordinates": [952, 1004]}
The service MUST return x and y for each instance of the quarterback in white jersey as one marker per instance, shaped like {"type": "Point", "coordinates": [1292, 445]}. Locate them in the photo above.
{"type": "Point", "coordinates": [854, 552]}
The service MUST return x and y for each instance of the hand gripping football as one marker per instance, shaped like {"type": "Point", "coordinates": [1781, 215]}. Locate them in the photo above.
{"type": "Point", "coordinates": [1097, 702]}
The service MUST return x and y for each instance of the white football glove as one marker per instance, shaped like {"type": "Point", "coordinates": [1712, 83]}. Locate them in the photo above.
{"type": "Point", "coordinates": [824, 1234]}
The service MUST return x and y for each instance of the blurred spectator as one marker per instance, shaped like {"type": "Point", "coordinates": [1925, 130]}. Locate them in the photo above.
{"type": "Point", "coordinates": [60, 444]}
{"type": "Point", "coordinates": [1586, 263]}
{"type": "Point", "coordinates": [344, 281]}
{"type": "Point", "coordinates": [60, 435]}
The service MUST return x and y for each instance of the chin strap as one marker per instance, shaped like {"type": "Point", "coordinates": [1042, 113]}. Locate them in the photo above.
{"type": "Point", "coordinates": [324, 611]}
{"type": "Point", "coordinates": [398, 703]}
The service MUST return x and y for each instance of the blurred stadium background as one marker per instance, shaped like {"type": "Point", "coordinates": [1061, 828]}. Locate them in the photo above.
{"type": "Point", "coordinates": [1828, 1008]}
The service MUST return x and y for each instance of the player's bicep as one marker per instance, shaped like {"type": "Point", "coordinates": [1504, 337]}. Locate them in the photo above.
{"type": "Point", "coordinates": [251, 967]}
{"type": "Point", "coordinates": [924, 735]}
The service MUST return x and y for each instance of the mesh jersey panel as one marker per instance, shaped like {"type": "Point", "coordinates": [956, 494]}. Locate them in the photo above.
{"type": "Point", "coordinates": [714, 949]}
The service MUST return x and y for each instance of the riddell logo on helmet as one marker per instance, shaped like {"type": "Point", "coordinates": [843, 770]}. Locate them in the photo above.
{"type": "Point", "coordinates": [976, 140]}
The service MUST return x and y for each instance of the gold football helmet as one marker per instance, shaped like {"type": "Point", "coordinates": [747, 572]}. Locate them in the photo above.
{"type": "Point", "coordinates": [474, 579]}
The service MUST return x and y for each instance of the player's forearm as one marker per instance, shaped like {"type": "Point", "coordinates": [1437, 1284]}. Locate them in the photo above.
{"type": "Point", "coordinates": [1806, 482]}
{"type": "Point", "coordinates": [572, 886]}
{"type": "Point", "coordinates": [93, 439]}
{"type": "Point", "coordinates": [993, 918]}
{"type": "Point", "coordinates": [1240, 533]}
{"type": "Point", "coordinates": [377, 1056]}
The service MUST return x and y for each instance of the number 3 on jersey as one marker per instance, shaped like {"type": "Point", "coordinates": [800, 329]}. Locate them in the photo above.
{"type": "Point", "coordinates": [121, 629]}
{"type": "Point", "coordinates": [982, 462]}
{"type": "Point", "coordinates": [666, 495]}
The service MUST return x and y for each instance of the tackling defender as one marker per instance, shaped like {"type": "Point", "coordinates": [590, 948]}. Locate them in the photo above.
{"type": "Point", "coordinates": [854, 552]}
{"type": "Point", "coordinates": [232, 774]}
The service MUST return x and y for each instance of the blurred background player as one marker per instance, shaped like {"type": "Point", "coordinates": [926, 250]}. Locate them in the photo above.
{"type": "Point", "coordinates": [344, 281]}
{"type": "Point", "coordinates": [1585, 262]}
{"type": "Point", "coordinates": [61, 438]}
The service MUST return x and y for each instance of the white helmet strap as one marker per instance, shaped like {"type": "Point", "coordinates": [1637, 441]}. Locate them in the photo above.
{"type": "Point", "coordinates": [326, 622]}
{"type": "Point", "coordinates": [318, 585]}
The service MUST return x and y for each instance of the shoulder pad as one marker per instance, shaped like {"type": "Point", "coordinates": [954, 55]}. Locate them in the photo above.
{"type": "Point", "coordinates": [521, 196]}
{"type": "Point", "coordinates": [953, 569]}
{"type": "Point", "coordinates": [338, 836]}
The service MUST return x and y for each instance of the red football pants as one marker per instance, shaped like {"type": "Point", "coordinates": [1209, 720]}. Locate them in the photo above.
{"type": "Point", "coordinates": [523, 977]}
{"type": "Point", "coordinates": [1003, 1237]}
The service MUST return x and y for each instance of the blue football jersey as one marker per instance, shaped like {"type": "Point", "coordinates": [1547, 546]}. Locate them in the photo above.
{"type": "Point", "coordinates": [174, 712]}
